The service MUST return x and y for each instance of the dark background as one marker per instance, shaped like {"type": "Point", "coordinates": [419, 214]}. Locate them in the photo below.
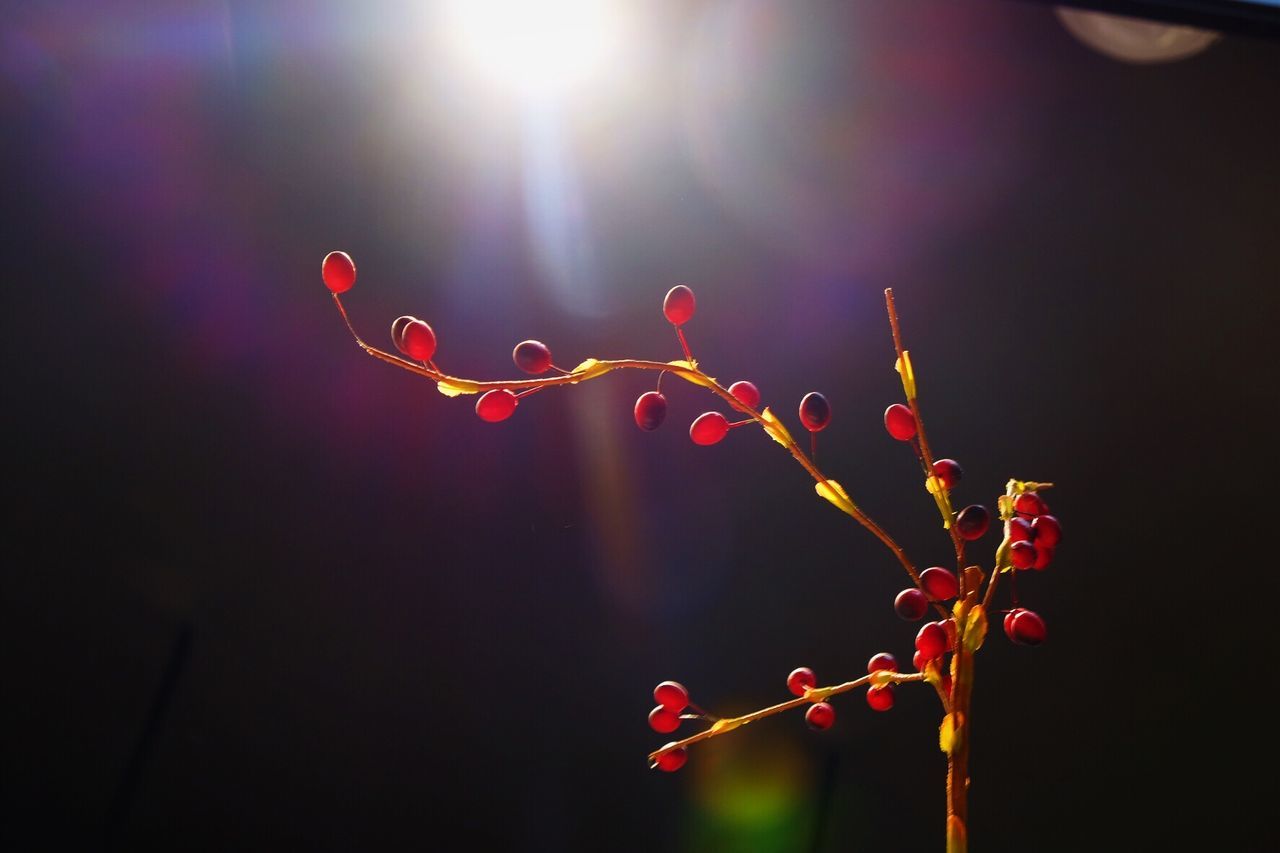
{"type": "Point", "coordinates": [261, 591]}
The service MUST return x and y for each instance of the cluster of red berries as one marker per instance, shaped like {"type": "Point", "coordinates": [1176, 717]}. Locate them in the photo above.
{"type": "Point", "coordinates": [1033, 536]}
{"type": "Point", "coordinates": [672, 699]}
{"type": "Point", "coordinates": [1031, 533]}
{"type": "Point", "coordinates": [416, 339]}
{"type": "Point", "coordinates": [821, 715]}
{"type": "Point", "coordinates": [711, 427]}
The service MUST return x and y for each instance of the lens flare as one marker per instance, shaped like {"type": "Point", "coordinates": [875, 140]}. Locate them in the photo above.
{"type": "Point", "coordinates": [543, 47]}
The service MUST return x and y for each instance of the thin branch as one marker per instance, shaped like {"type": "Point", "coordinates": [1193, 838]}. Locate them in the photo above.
{"type": "Point", "coordinates": [816, 694]}
{"type": "Point", "coordinates": [689, 373]}
{"type": "Point", "coordinates": [991, 589]}
{"type": "Point", "coordinates": [925, 452]}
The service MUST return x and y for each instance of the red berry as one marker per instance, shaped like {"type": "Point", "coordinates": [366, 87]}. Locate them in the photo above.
{"type": "Point", "coordinates": [338, 271]}
{"type": "Point", "coordinates": [672, 696]}
{"type": "Point", "coordinates": [497, 405]}
{"type": "Point", "coordinates": [664, 720]}
{"type": "Point", "coordinates": [948, 471]}
{"type": "Point", "coordinates": [709, 428]}
{"type": "Point", "coordinates": [815, 412]}
{"type": "Point", "coordinates": [679, 305]}
{"type": "Point", "coordinates": [419, 340]}
{"type": "Point", "coordinates": [671, 760]}
{"type": "Point", "coordinates": [1026, 628]}
{"type": "Point", "coordinates": [931, 641]}
{"type": "Point", "coordinates": [1008, 621]}
{"type": "Point", "coordinates": [880, 661]}
{"type": "Point", "coordinates": [880, 698]}
{"type": "Point", "coordinates": [651, 410]}
{"type": "Point", "coordinates": [900, 423]}
{"type": "Point", "coordinates": [1048, 531]}
{"type": "Point", "coordinates": [532, 356]}
{"type": "Point", "coordinates": [1022, 555]}
{"type": "Point", "coordinates": [1019, 530]}
{"type": "Point", "coordinates": [397, 331]}
{"type": "Point", "coordinates": [746, 393]}
{"type": "Point", "coordinates": [820, 716]}
{"type": "Point", "coordinates": [911, 604]}
{"type": "Point", "coordinates": [918, 662]}
{"type": "Point", "coordinates": [972, 522]}
{"type": "Point", "coordinates": [1044, 556]}
{"type": "Point", "coordinates": [1030, 503]}
{"type": "Point", "coordinates": [939, 583]}
{"type": "Point", "coordinates": [801, 679]}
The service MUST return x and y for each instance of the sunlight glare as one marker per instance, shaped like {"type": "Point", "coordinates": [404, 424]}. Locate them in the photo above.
{"type": "Point", "coordinates": [536, 47]}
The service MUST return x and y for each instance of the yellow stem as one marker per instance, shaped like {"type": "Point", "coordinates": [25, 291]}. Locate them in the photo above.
{"type": "Point", "coordinates": [816, 694]}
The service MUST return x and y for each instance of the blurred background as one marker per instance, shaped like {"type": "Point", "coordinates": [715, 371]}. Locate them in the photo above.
{"type": "Point", "coordinates": [263, 592]}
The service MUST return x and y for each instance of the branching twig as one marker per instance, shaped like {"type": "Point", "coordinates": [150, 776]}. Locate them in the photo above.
{"type": "Point", "coordinates": [816, 694]}
{"type": "Point", "coordinates": [686, 370]}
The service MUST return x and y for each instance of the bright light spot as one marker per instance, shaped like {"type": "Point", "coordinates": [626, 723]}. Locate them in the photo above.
{"type": "Point", "coordinates": [1133, 39]}
{"type": "Point", "coordinates": [536, 47]}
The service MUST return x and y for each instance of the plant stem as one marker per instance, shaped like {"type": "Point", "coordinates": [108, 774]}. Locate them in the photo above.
{"type": "Point", "coordinates": [690, 374]}
{"type": "Point", "coordinates": [925, 453]}
{"type": "Point", "coordinates": [958, 758]}
{"type": "Point", "coordinates": [962, 660]}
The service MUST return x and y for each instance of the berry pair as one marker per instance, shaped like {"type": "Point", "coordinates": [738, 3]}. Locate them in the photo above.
{"type": "Point", "coordinates": [820, 716]}
{"type": "Point", "coordinates": [672, 699]}
{"type": "Point", "coordinates": [414, 338]}
{"type": "Point", "coordinates": [1025, 627]}
{"type": "Point", "coordinates": [936, 639]}
{"type": "Point", "coordinates": [880, 697]}
{"type": "Point", "coordinates": [900, 422]}
{"type": "Point", "coordinates": [938, 584]}
{"type": "Point", "coordinates": [709, 428]}
{"type": "Point", "coordinates": [499, 404]}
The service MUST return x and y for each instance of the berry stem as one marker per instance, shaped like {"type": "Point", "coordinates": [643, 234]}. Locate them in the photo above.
{"type": "Point", "coordinates": [690, 374]}
{"type": "Point", "coordinates": [1002, 560]}
{"type": "Point", "coordinates": [942, 697]}
{"type": "Point", "coordinates": [688, 356]}
{"type": "Point", "coordinates": [703, 713]}
{"type": "Point", "coordinates": [816, 694]}
{"type": "Point", "coordinates": [991, 589]}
